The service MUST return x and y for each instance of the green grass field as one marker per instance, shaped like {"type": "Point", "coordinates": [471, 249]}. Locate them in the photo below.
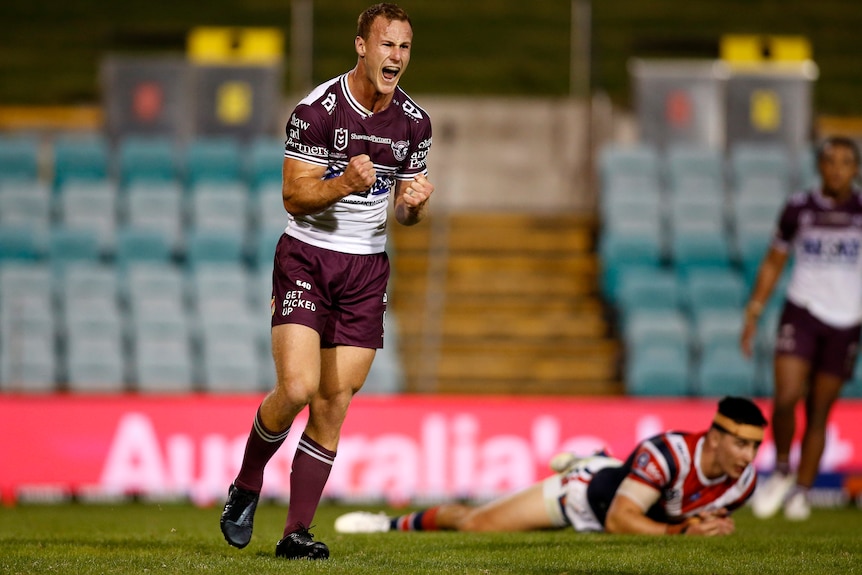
{"type": "Point", "coordinates": [148, 538]}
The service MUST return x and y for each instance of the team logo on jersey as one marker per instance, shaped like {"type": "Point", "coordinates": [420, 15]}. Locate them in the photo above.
{"type": "Point", "coordinates": [400, 149]}
{"type": "Point", "coordinates": [341, 139]}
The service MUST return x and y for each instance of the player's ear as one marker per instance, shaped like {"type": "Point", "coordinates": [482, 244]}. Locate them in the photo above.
{"type": "Point", "coordinates": [359, 43]}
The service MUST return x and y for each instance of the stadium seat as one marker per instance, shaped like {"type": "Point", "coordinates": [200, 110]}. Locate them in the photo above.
{"type": "Point", "coordinates": [720, 289]}
{"type": "Point", "coordinates": [231, 364]}
{"type": "Point", "coordinates": [752, 241]}
{"type": "Point", "coordinates": [147, 158]}
{"type": "Point", "coordinates": [214, 246]}
{"type": "Point", "coordinates": [28, 364]}
{"type": "Point", "coordinates": [153, 281]}
{"type": "Point", "coordinates": [91, 205]}
{"type": "Point", "coordinates": [213, 284]}
{"type": "Point", "coordinates": [760, 162]}
{"type": "Point", "coordinates": [695, 245]}
{"type": "Point", "coordinates": [723, 370]}
{"type": "Point", "coordinates": [646, 328]}
{"type": "Point", "coordinates": [19, 158]}
{"type": "Point", "coordinates": [265, 159]}
{"type": "Point", "coordinates": [634, 243]}
{"type": "Point", "coordinates": [25, 204]}
{"type": "Point", "coordinates": [213, 158]}
{"type": "Point", "coordinates": [95, 364]}
{"type": "Point", "coordinates": [624, 205]}
{"type": "Point", "coordinates": [138, 245]}
{"type": "Point", "coordinates": [659, 370]}
{"type": "Point", "coordinates": [628, 161]}
{"type": "Point", "coordinates": [693, 170]}
{"type": "Point", "coordinates": [80, 158]}
{"type": "Point", "coordinates": [22, 243]}
{"type": "Point", "coordinates": [647, 288]}
{"type": "Point", "coordinates": [24, 278]}
{"type": "Point", "coordinates": [156, 206]}
{"type": "Point", "coordinates": [717, 328]}
{"type": "Point", "coordinates": [807, 174]}
{"type": "Point", "coordinates": [71, 245]}
{"type": "Point", "coordinates": [163, 367]}
{"type": "Point", "coordinates": [695, 208]}
{"type": "Point", "coordinates": [219, 205]}
{"type": "Point", "coordinates": [267, 208]}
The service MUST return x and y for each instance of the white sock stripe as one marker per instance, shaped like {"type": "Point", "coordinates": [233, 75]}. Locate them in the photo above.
{"type": "Point", "coordinates": [309, 449]}
{"type": "Point", "coordinates": [266, 435]}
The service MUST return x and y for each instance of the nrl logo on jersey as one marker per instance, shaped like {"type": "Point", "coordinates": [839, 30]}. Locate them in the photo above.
{"type": "Point", "coordinates": [399, 149]}
{"type": "Point", "coordinates": [341, 139]}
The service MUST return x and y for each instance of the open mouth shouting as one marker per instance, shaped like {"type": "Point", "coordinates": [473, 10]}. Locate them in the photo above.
{"type": "Point", "coordinates": [390, 73]}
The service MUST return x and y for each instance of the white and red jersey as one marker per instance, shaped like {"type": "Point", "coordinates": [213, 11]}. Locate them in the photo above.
{"type": "Point", "coordinates": [329, 127]}
{"type": "Point", "coordinates": [671, 464]}
{"type": "Point", "coordinates": [826, 239]}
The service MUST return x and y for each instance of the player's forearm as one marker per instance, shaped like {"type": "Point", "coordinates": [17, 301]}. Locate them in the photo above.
{"type": "Point", "coordinates": [633, 524]}
{"type": "Point", "coordinates": [306, 195]}
{"type": "Point", "coordinates": [407, 216]}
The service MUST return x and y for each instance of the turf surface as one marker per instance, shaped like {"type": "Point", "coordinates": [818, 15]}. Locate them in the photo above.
{"type": "Point", "coordinates": [149, 538]}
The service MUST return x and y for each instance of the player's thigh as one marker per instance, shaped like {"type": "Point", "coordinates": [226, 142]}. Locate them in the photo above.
{"type": "Point", "coordinates": [521, 511]}
{"type": "Point", "coordinates": [296, 353]}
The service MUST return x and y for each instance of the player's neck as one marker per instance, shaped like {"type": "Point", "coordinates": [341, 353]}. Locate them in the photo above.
{"type": "Point", "coordinates": [364, 92]}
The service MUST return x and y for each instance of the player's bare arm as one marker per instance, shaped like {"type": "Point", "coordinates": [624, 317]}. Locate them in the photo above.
{"type": "Point", "coordinates": [627, 515]}
{"type": "Point", "coordinates": [411, 198]}
{"type": "Point", "coordinates": [767, 277]}
{"type": "Point", "coordinates": [303, 191]}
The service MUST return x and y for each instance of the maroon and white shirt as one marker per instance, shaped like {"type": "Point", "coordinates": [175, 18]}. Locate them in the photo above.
{"type": "Point", "coordinates": [329, 127]}
{"type": "Point", "coordinates": [826, 239]}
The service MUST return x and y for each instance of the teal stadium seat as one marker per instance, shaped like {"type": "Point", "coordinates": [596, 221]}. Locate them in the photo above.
{"type": "Point", "coordinates": [156, 206]}
{"type": "Point", "coordinates": [214, 246]}
{"type": "Point", "coordinates": [760, 166]}
{"type": "Point", "coordinates": [28, 364]}
{"type": "Point", "coordinates": [22, 243]}
{"type": "Point", "coordinates": [96, 364]}
{"type": "Point", "coordinates": [723, 370]}
{"type": "Point", "coordinates": [662, 370]}
{"type": "Point", "coordinates": [213, 158]}
{"type": "Point", "coordinates": [231, 365]}
{"type": "Point", "coordinates": [139, 245]}
{"type": "Point", "coordinates": [721, 289]}
{"type": "Point", "coordinates": [645, 328]}
{"type": "Point", "coordinates": [90, 205]}
{"type": "Point", "coordinates": [19, 158]}
{"type": "Point", "coordinates": [698, 244]}
{"type": "Point", "coordinates": [629, 166]}
{"type": "Point", "coordinates": [147, 158]}
{"type": "Point", "coordinates": [647, 288]}
{"type": "Point", "coordinates": [219, 205]}
{"type": "Point", "coordinates": [717, 328]}
{"type": "Point", "coordinates": [80, 158]}
{"type": "Point", "coordinates": [695, 171]}
{"type": "Point", "coordinates": [71, 245]}
{"type": "Point", "coordinates": [634, 243]}
{"type": "Point", "coordinates": [25, 204]}
{"type": "Point", "coordinates": [265, 157]}
{"type": "Point", "coordinates": [695, 208]}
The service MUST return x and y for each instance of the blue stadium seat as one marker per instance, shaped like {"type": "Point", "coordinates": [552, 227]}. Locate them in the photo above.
{"type": "Point", "coordinates": [19, 158]}
{"type": "Point", "coordinates": [214, 285]}
{"type": "Point", "coordinates": [163, 367]}
{"type": "Point", "coordinates": [635, 243]}
{"type": "Point", "coordinates": [769, 165]}
{"type": "Point", "coordinates": [629, 161]}
{"type": "Point", "coordinates": [213, 158]}
{"type": "Point", "coordinates": [716, 328]}
{"type": "Point", "coordinates": [695, 208]}
{"type": "Point", "coordinates": [267, 208]}
{"type": "Point", "coordinates": [720, 289]}
{"type": "Point", "coordinates": [646, 328]}
{"type": "Point", "coordinates": [231, 364]}
{"type": "Point", "coordinates": [96, 364]}
{"type": "Point", "coordinates": [81, 158]}
{"type": "Point", "coordinates": [695, 245]}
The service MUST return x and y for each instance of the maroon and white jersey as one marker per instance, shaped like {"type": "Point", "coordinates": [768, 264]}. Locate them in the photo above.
{"type": "Point", "coordinates": [329, 127]}
{"type": "Point", "coordinates": [826, 239]}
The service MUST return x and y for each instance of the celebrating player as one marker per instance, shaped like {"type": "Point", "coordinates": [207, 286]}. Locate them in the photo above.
{"type": "Point", "coordinates": [673, 483]}
{"type": "Point", "coordinates": [352, 143]}
{"type": "Point", "coordinates": [819, 327]}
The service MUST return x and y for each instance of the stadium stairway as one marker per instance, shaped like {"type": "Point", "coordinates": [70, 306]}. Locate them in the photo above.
{"type": "Point", "coordinates": [502, 303]}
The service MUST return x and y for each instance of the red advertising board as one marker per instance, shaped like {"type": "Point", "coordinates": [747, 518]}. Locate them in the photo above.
{"type": "Point", "coordinates": [398, 447]}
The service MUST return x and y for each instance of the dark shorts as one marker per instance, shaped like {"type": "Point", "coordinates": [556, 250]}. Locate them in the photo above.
{"type": "Point", "coordinates": [341, 296]}
{"type": "Point", "coordinates": [829, 349]}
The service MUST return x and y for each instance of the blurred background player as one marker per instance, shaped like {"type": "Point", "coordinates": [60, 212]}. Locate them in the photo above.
{"type": "Point", "coordinates": [673, 483]}
{"type": "Point", "coordinates": [351, 144]}
{"type": "Point", "coordinates": [818, 331]}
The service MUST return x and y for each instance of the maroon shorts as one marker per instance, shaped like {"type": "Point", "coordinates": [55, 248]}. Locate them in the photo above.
{"type": "Point", "coordinates": [341, 296]}
{"type": "Point", "coordinates": [829, 349]}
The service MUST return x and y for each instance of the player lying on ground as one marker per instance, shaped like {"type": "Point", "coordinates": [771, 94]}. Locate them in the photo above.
{"type": "Point", "coordinates": [673, 483]}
